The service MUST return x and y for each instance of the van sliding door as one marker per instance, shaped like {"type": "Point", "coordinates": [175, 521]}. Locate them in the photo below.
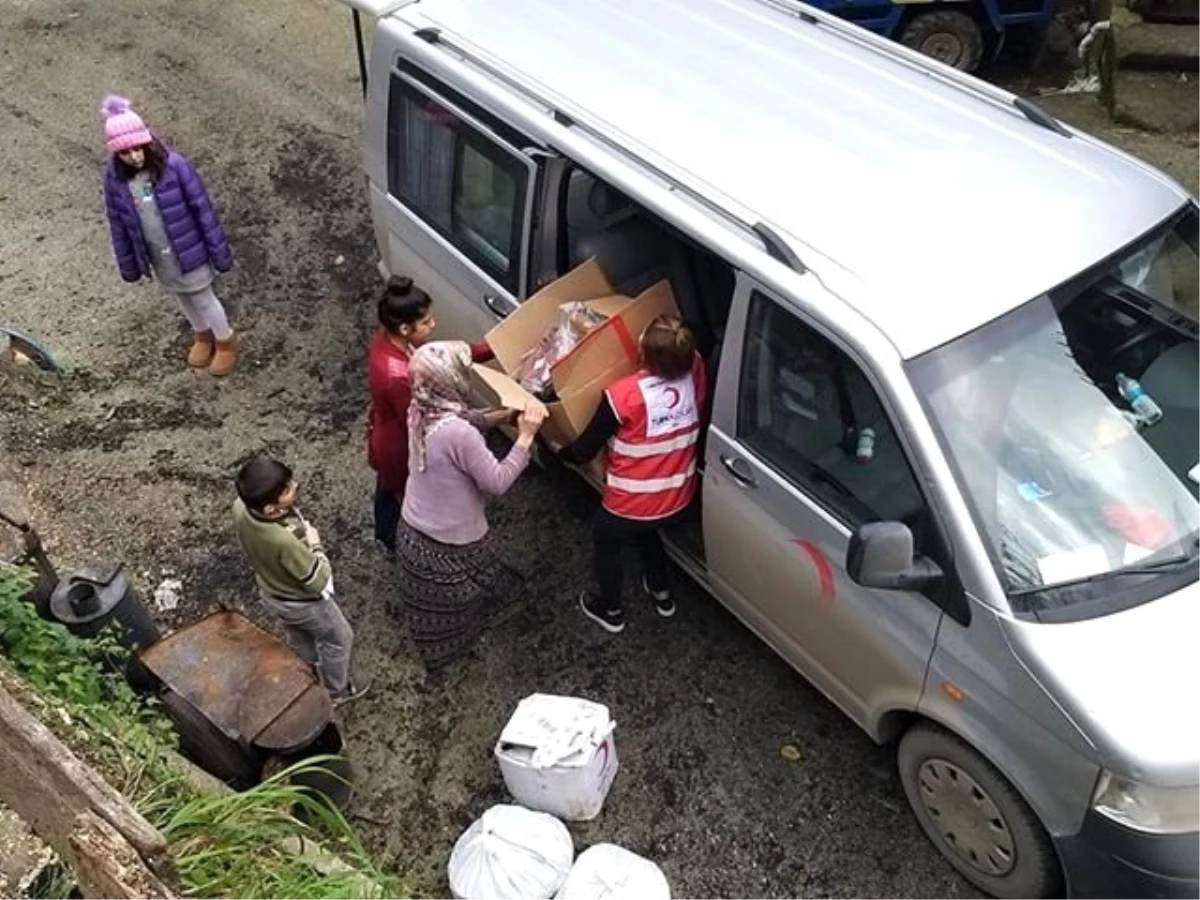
{"type": "Point", "coordinates": [460, 197]}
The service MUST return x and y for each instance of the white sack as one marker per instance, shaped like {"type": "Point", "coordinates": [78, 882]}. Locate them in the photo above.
{"type": "Point", "coordinates": [511, 853]}
{"type": "Point", "coordinates": [607, 871]}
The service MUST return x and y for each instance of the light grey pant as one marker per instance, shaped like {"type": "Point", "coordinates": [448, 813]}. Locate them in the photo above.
{"type": "Point", "coordinates": [204, 312]}
{"type": "Point", "coordinates": [319, 633]}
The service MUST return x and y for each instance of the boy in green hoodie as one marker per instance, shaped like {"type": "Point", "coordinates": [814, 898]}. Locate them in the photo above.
{"type": "Point", "coordinates": [292, 572]}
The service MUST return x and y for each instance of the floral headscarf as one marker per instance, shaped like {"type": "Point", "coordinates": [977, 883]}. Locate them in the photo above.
{"type": "Point", "coordinates": [438, 373]}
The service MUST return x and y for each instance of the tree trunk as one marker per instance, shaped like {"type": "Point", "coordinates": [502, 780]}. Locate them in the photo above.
{"type": "Point", "coordinates": [107, 866]}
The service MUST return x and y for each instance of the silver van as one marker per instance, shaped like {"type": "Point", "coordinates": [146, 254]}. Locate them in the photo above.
{"type": "Point", "coordinates": [951, 470]}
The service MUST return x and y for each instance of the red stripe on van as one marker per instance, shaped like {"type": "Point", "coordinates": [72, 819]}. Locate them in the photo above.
{"type": "Point", "coordinates": [824, 570]}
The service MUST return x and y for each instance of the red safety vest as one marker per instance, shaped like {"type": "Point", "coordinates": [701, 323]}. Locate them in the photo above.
{"type": "Point", "coordinates": [652, 459]}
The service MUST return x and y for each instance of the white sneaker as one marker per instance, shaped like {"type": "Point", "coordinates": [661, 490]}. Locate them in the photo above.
{"type": "Point", "coordinates": [350, 694]}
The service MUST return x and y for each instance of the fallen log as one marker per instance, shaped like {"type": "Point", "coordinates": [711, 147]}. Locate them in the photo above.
{"type": "Point", "coordinates": [107, 866]}
{"type": "Point", "coordinates": [49, 787]}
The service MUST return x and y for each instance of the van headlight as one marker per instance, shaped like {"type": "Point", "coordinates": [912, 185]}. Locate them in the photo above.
{"type": "Point", "coordinates": [1145, 807]}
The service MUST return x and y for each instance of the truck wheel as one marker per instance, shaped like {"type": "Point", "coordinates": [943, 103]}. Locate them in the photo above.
{"type": "Point", "coordinates": [975, 817]}
{"type": "Point", "coordinates": [947, 35]}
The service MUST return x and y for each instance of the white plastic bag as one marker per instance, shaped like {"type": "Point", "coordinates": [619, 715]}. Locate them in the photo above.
{"type": "Point", "coordinates": [511, 853]}
{"type": "Point", "coordinates": [607, 871]}
{"type": "Point", "coordinates": [557, 755]}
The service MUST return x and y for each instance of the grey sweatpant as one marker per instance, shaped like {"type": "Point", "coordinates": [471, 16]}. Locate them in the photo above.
{"type": "Point", "coordinates": [319, 633]}
{"type": "Point", "coordinates": [204, 312]}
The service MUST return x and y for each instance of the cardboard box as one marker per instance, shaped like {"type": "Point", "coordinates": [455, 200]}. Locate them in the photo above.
{"type": "Point", "coordinates": [606, 353]}
{"type": "Point", "coordinates": [557, 755]}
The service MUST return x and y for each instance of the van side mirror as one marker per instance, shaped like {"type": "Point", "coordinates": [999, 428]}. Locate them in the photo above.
{"type": "Point", "coordinates": [880, 555]}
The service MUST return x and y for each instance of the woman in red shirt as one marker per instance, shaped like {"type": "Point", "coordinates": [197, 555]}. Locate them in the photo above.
{"type": "Point", "coordinates": [405, 323]}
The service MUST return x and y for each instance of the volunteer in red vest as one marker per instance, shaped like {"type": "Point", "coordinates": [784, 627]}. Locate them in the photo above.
{"type": "Point", "coordinates": [650, 421]}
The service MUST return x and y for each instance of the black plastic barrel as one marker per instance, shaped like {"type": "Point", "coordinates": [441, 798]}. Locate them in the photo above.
{"type": "Point", "coordinates": [90, 599]}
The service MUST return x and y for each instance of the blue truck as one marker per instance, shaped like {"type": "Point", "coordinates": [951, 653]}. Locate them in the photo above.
{"type": "Point", "coordinates": [961, 33]}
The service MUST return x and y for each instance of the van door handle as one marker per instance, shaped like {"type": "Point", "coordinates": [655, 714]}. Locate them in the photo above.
{"type": "Point", "coordinates": [501, 306]}
{"type": "Point", "coordinates": [740, 470]}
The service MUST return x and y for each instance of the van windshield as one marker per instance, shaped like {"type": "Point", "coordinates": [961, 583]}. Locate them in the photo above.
{"type": "Point", "coordinates": [1073, 425]}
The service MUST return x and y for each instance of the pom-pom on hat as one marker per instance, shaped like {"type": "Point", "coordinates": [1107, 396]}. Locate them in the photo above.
{"type": "Point", "coordinates": [123, 128]}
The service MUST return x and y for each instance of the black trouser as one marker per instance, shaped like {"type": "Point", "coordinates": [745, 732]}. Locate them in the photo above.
{"type": "Point", "coordinates": [387, 515]}
{"type": "Point", "coordinates": [611, 535]}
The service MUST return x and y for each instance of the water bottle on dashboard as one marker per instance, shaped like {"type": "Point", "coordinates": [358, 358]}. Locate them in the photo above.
{"type": "Point", "coordinates": [1135, 395]}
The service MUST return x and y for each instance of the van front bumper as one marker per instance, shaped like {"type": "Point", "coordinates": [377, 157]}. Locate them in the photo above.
{"type": "Point", "coordinates": [1106, 859]}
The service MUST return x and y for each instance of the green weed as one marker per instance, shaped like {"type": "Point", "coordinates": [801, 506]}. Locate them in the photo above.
{"type": "Point", "coordinates": [246, 844]}
{"type": "Point", "coordinates": [82, 695]}
{"type": "Point", "coordinates": [225, 845]}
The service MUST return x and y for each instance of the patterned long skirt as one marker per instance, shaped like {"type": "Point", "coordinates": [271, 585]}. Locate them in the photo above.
{"type": "Point", "coordinates": [449, 592]}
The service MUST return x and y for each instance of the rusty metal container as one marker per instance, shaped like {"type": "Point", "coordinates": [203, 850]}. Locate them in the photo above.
{"type": "Point", "coordinates": [238, 696]}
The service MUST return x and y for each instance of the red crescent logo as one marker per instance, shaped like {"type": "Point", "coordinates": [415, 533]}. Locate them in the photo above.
{"type": "Point", "coordinates": [824, 571]}
{"type": "Point", "coordinates": [674, 395]}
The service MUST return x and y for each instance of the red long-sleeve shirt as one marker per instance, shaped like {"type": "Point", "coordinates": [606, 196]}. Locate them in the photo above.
{"type": "Point", "coordinates": [387, 416]}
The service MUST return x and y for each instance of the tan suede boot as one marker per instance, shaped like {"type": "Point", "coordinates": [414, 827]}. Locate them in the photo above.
{"type": "Point", "coordinates": [225, 358]}
{"type": "Point", "coordinates": [201, 353]}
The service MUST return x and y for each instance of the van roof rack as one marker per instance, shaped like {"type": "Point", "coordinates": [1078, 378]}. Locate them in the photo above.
{"type": "Point", "coordinates": [913, 59]}
{"type": "Point", "coordinates": [777, 248]}
{"type": "Point", "coordinates": [1039, 116]}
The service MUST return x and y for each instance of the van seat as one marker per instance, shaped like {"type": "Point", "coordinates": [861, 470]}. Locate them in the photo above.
{"type": "Point", "coordinates": [881, 488]}
{"type": "Point", "coordinates": [633, 254]}
{"type": "Point", "coordinates": [638, 253]}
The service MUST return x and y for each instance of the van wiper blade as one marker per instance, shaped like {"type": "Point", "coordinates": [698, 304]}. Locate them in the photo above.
{"type": "Point", "coordinates": [1170, 564]}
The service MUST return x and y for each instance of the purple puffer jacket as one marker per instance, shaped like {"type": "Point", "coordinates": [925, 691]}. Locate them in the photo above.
{"type": "Point", "coordinates": [192, 226]}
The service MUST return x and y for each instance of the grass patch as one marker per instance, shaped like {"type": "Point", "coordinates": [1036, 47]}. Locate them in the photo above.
{"type": "Point", "coordinates": [278, 839]}
{"type": "Point", "coordinates": [271, 841]}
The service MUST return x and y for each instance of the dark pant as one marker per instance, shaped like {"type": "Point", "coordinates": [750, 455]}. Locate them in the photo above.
{"type": "Point", "coordinates": [611, 534]}
{"type": "Point", "coordinates": [387, 515]}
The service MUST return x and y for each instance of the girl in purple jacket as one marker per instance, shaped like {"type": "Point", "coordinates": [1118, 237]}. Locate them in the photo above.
{"type": "Point", "coordinates": [164, 226]}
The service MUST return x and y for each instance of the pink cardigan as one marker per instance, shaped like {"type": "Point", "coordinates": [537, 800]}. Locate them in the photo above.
{"type": "Point", "coordinates": [446, 501]}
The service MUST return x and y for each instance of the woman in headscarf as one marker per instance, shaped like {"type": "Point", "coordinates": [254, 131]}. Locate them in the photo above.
{"type": "Point", "coordinates": [451, 576]}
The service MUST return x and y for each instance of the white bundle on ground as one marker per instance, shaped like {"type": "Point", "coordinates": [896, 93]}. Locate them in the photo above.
{"type": "Point", "coordinates": [511, 853]}
{"type": "Point", "coordinates": [607, 871]}
{"type": "Point", "coordinates": [557, 755]}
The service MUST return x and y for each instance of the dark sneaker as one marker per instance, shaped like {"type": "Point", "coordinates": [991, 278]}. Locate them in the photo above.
{"type": "Point", "coordinates": [350, 694]}
{"type": "Point", "coordinates": [663, 602]}
{"type": "Point", "coordinates": [611, 620]}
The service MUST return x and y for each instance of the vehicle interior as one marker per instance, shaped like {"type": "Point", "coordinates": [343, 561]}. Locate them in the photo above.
{"type": "Point", "coordinates": [636, 249]}
{"type": "Point", "coordinates": [1040, 412]}
{"type": "Point", "coordinates": [809, 406]}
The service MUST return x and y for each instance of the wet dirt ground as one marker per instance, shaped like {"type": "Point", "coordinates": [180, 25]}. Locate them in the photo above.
{"type": "Point", "coordinates": [132, 461]}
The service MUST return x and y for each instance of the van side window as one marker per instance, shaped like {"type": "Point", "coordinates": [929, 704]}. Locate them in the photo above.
{"type": "Point", "coordinates": [459, 180]}
{"type": "Point", "coordinates": [804, 408]}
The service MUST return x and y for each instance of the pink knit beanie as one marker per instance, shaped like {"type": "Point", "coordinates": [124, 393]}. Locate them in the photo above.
{"type": "Point", "coordinates": [123, 128]}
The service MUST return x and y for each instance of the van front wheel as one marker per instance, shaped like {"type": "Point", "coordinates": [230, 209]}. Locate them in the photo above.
{"type": "Point", "coordinates": [975, 817]}
{"type": "Point", "coordinates": [947, 35]}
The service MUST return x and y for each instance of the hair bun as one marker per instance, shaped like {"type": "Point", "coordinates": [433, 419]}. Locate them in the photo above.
{"type": "Point", "coordinates": [399, 284]}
